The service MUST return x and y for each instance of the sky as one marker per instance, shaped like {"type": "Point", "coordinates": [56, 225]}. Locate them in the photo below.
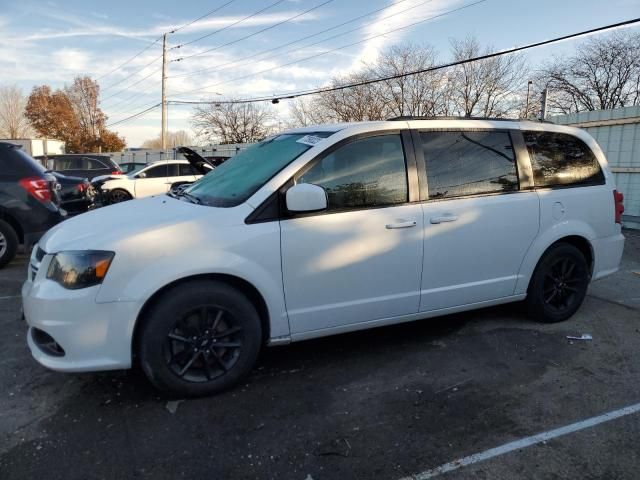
{"type": "Point", "coordinates": [50, 42]}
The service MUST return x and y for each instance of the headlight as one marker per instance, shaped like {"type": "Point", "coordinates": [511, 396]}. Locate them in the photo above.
{"type": "Point", "coordinates": [79, 269]}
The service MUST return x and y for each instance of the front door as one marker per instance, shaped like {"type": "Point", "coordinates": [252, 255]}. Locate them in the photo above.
{"type": "Point", "coordinates": [478, 223]}
{"type": "Point", "coordinates": [361, 259]}
{"type": "Point", "coordinates": [153, 181]}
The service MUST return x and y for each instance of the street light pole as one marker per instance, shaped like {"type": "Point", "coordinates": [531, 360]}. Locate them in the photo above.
{"type": "Point", "coordinates": [526, 112]}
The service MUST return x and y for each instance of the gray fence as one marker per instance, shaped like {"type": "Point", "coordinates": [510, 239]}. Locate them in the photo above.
{"type": "Point", "coordinates": [148, 156]}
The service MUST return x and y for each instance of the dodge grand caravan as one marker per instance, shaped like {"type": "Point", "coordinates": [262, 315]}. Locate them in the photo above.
{"type": "Point", "coordinates": [324, 230]}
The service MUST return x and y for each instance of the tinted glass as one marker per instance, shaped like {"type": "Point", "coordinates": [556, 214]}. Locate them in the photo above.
{"type": "Point", "coordinates": [187, 170]}
{"type": "Point", "coordinates": [242, 175]}
{"type": "Point", "coordinates": [363, 173]}
{"type": "Point", "coordinates": [173, 170]}
{"type": "Point", "coordinates": [68, 163]}
{"type": "Point", "coordinates": [469, 163]}
{"type": "Point", "coordinates": [157, 171]}
{"type": "Point", "coordinates": [94, 164]}
{"type": "Point", "coordinates": [561, 159]}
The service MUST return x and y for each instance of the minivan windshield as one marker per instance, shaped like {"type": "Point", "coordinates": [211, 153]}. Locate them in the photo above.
{"type": "Point", "coordinates": [241, 176]}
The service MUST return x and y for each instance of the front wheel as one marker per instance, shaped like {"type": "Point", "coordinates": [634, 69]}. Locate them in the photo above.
{"type": "Point", "coordinates": [559, 284]}
{"type": "Point", "coordinates": [200, 338]}
{"type": "Point", "coordinates": [119, 195]}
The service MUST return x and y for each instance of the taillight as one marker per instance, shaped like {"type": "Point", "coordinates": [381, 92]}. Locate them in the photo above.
{"type": "Point", "coordinates": [37, 188]}
{"type": "Point", "coordinates": [618, 198]}
{"type": "Point", "coordinates": [116, 172]}
{"type": "Point", "coordinates": [81, 187]}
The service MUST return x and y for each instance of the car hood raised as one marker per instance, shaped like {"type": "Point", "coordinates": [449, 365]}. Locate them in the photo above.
{"type": "Point", "coordinates": [106, 227]}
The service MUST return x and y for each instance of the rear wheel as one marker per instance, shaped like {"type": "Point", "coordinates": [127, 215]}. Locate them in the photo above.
{"type": "Point", "coordinates": [119, 195]}
{"type": "Point", "coordinates": [8, 243]}
{"type": "Point", "coordinates": [559, 284]}
{"type": "Point", "coordinates": [200, 338]}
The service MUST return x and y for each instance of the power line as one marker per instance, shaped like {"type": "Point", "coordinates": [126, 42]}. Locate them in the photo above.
{"type": "Point", "coordinates": [255, 33]}
{"type": "Point", "coordinates": [133, 74]}
{"type": "Point", "coordinates": [201, 17]}
{"type": "Point", "coordinates": [416, 72]}
{"type": "Point", "coordinates": [229, 26]}
{"type": "Point", "coordinates": [118, 106]}
{"type": "Point", "coordinates": [129, 60]}
{"type": "Point", "coordinates": [463, 7]}
{"type": "Point", "coordinates": [129, 86]}
{"type": "Point", "coordinates": [135, 115]}
{"type": "Point", "coordinates": [234, 62]}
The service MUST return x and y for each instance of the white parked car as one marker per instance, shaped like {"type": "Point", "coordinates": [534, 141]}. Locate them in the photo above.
{"type": "Point", "coordinates": [152, 179]}
{"type": "Point", "coordinates": [324, 230]}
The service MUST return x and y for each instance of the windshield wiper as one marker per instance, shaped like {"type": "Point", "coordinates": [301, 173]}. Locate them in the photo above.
{"type": "Point", "coordinates": [192, 198]}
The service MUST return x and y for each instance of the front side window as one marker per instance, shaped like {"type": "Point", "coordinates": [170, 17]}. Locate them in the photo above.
{"type": "Point", "coordinates": [158, 171]}
{"type": "Point", "coordinates": [364, 173]}
{"type": "Point", "coordinates": [469, 163]}
{"type": "Point", "coordinates": [241, 176]}
{"type": "Point", "coordinates": [559, 159]}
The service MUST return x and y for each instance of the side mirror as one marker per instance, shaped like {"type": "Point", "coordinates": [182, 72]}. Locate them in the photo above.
{"type": "Point", "coordinates": [306, 197]}
{"type": "Point", "coordinates": [141, 175]}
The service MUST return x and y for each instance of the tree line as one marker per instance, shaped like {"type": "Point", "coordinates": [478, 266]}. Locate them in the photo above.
{"type": "Point", "coordinates": [601, 73]}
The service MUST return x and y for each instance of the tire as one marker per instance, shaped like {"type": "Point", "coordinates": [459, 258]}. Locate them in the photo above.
{"type": "Point", "coordinates": [200, 338]}
{"type": "Point", "coordinates": [558, 285]}
{"type": "Point", "coordinates": [8, 243]}
{"type": "Point", "coordinates": [118, 195]}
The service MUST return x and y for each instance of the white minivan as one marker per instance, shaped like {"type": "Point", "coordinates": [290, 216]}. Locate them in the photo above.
{"type": "Point", "coordinates": [323, 230]}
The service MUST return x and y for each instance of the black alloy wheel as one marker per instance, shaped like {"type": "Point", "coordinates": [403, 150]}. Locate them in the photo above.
{"type": "Point", "coordinates": [198, 338]}
{"type": "Point", "coordinates": [204, 344]}
{"type": "Point", "coordinates": [558, 285]}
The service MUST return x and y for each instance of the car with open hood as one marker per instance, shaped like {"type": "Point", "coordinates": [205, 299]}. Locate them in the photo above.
{"type": "Point", "coordinates": [151, 179]}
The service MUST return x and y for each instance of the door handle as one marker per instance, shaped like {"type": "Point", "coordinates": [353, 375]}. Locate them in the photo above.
{"type": "Point", "coordinates": [443, 219]}
{"type": "Point", "coordinates": [407, 224]}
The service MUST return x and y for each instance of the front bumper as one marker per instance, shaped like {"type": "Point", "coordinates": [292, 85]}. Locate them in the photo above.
{"type": "Point", "coordinates": [94, 336]}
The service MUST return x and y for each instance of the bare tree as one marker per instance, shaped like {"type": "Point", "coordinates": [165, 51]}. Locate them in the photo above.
{"type": "Point", "coordinates": [13, 122]}
{"type": "Point", "coordinates": [485, 87]}
{"type": "Point", "coordinates": [83, 95]}
{"type": "Point", "coordinates": [174, 139]}
{"type": "Point", "coordinates": [233, 122]}
{"type": "Point", "coordinates": [603, 73]}
{"type": "Point", "coordinates": [417, 95]}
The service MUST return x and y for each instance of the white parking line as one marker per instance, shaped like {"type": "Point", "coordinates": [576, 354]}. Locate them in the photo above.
{"type": "Point", "coordinates": [525, 442]}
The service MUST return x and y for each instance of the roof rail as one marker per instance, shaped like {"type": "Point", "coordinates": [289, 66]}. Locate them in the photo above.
{"type": "Point", "coordinates": [412, 117]}
{"type": "Point", "coordinates": [493, 119]}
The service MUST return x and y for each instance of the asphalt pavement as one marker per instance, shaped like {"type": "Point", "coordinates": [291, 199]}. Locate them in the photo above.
{"type": "Point", "coordinates": [385, 403]}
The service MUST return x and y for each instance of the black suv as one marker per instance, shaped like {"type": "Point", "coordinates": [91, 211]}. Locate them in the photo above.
{"type": "Point", "coordinates": [81, 165]}
{"type": "Point", "coordinates": [28, 201]}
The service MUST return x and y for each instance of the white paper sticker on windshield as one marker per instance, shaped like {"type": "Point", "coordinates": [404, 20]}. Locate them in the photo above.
{"type": "Point", "coordinates": [310, 140]}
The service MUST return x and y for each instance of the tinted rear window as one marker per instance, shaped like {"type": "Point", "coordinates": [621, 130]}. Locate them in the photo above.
{"type": "Point", "coordinates": [559, 159]}
{"type": "Point", "coordinates": [469, 163]}
{"type": "Point", "coordinates": [15, 162]}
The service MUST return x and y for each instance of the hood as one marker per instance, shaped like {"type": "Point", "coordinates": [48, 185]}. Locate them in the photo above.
{"type": "Point", "coordinates": [106, 228]}
{"type": "Point", "coordinates": [196, 160]}
{"type": "Point", "coordinates": [104, 178]}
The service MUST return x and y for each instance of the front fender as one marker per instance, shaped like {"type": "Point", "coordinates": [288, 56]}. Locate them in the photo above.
{"type": "Point", "coordinates": [544, 241]}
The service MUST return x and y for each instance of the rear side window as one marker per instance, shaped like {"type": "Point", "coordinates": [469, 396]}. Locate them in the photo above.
{"type": "Point", "coordinates": [364, 173]}
{"type": "Point", "coordinates": [69, 163]}
{"type": "Point", "coordinates": [186, 169]}
{"type": "Point", "coordinates": [94, 164]}
{"type": "Point", "coordinates": [559, 159]}
{"type": "Point", "coordinates": [469, 163]}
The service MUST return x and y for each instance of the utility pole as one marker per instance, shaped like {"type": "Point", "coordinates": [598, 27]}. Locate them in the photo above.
{"type": "Point", "coordinates": [163, 130]}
